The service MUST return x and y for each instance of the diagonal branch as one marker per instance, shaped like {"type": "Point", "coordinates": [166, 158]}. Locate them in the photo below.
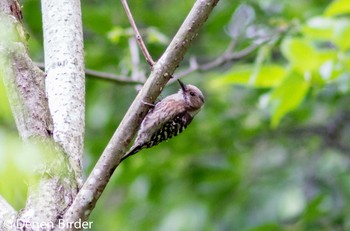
{"type": "Point", "coordinates": [160, 75]}
{"type": "Point", "coordinates": [137, 34]}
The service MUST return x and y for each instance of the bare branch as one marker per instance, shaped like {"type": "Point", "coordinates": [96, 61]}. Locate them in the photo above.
{"type": "Point", "coordinates": [194, 66]}
{"type": "Point", "coordinates": [102, 75]}
{"type": "Point", "coordinates": [137, 34]}
{"type": "Point", "coordinates": [227, 56]}
{"type": "Point", "coordinates": [160, 75]}
{"type": "Point", "coordinates": [137, 74]}
{"type": "Point", "coordinates": [111, 77]}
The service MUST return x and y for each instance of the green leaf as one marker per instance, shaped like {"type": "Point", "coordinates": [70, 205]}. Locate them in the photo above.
{"type": "Point", "coordinates": [22, 163]}
{"type": "Point", "coordinates": [5, 110]}
{"type": "Point", "coordinates": [338, 7]}
{"type": "Point", "coordinates": [268, 75]}
{"type": "Point", "coordinates": [267, 227]}
{"type": "Point", "coordinates": [300, 53]}
{"type": "Point", "coordinates": [117, 33]}
{"type": "Point", "coordinates": [287, 96]}
{"type": "Point", "coordinates": [336, 30]}
{"type": "Point", "coordinates": [17, 162]}
{"type": "Point", "coordinates": [155, 36]}
{"type": "Point", "coordinates": [303, 56]}
{"type": "Point", "coordinates": [341, 34]}
{"type": "Point", "coordinates": [314, 211]}
{"type": "Point", "coordinates": [319, 28]}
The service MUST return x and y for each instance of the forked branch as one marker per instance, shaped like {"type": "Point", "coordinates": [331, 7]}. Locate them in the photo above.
{"type": "Point", "coordinates": [160, 75]}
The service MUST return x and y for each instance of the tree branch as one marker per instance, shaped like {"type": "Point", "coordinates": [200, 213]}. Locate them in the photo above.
{"type": "Point", "coordinates": [65, 80]}
{"type": "Point", "coordinates": [111, 77]}
{"type": "Point", "coordinates": [136, 74]}
{"type": "Point", "coordinates": [142, 45]}
{"type": "Point", "coordinates": [103, 75]}
{"type": "Point", "coordinates": [193, 67]}
{"type": "Point", "coordinates": [160, 75]}
{"type": "Point", "coordinates": [227, 56]}
{"type": "Point", "coordinates": [23, 81]}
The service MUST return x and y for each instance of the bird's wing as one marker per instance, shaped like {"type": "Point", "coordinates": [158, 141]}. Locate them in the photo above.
{"type": "Point", "coordinates": [164, 111]}
{"type": "Point", "coordinates": [168, 118]}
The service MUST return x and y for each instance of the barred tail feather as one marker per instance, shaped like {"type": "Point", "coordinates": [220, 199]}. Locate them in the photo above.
{"type": "Point", "coordinates": [131, 152]}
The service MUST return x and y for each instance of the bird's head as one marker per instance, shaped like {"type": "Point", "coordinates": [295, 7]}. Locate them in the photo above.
{"type": "Point", "coordinates": [192, 95]}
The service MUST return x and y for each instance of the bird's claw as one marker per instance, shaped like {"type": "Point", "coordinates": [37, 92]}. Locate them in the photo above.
{"type": "Point", "coordinates": [148, 104]}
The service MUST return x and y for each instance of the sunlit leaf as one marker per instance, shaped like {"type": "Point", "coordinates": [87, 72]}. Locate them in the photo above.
{"type": "Point", "coordinates": [17, 162]}
{"type": "Point", "coordinates": [155, 36]}
{"type": "Point", "coordinates": [300, 53]}
{"type": "Point", "coordinates": [336, 31]}
{"type": "Point", "coordinates": [287, 96]}
{"type": "Point", "coordinates": [325, 55]}
{"type": "Point", "coordinates": [341, 34]}
{"type": "Point", "coordinates": [117, 33]}
{"type": "Point", "coordinates": [319, 28]}
{"type": "Point", "coordinates": [21, 164]}
{"type": "Point", "coordinates": [269, 75]}
{"type": "Point", "coordinates": [5, 111]}
{"type": "Point", "coordinates": [330, 71]}
{"type": "Point", "coordinates": [338, 7]}
{"type": "Point", "coordinates": [303, 56]}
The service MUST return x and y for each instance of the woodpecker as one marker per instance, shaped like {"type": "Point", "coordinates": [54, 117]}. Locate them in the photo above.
{"type": "Point", "coordinates": [168, 118]}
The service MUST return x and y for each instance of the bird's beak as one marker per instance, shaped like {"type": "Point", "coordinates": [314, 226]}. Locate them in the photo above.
{"type": "Point", "coordinates": [183, 86]}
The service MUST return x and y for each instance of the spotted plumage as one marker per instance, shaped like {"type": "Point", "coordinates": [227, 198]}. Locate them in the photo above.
{"type": "Point", "coordinates": [168, 118]}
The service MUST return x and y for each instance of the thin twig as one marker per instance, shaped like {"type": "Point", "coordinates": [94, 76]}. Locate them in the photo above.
{"type": "Point", "coordinates": [227, 56]}
{"type": "Point", "coordinates": [111, 77]}
{"type": "Point", "coordinates": [136, 73]}
{"type": "Point", "coordinates": [137, 34]}
{"type": "Point", "coordinates": [102, 75]}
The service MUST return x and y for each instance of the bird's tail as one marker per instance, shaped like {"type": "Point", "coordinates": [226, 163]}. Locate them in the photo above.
{"type": "Point", "coordinates": [132, 151]}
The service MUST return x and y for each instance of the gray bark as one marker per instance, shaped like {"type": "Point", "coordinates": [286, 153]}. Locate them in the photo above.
{"type": "Point", "coordinates": [65, 80]}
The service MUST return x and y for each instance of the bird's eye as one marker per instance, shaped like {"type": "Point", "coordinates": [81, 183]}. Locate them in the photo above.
{"type": "Point", "coordinates": [192, 94]}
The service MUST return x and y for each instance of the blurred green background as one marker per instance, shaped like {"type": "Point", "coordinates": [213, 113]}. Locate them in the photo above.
{"type": "Point", "coordinates": [269, 151]}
